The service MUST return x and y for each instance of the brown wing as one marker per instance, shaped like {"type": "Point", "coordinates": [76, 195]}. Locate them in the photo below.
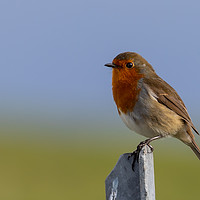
{"type": "Point", "coordinates": [177, 107]}
{"type": "Point", "coordinates": [167, 96]}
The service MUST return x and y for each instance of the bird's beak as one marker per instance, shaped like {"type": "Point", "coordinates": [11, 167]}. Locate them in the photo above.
{"type": "Point", "coordinates": [111, 65]}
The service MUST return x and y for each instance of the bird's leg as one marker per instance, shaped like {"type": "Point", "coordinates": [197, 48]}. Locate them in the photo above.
{"type": "Point", "coordinates": [139, 148]}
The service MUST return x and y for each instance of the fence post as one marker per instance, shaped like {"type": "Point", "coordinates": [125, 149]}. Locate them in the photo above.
{"type": "Point", "coordinates": [124, 184]}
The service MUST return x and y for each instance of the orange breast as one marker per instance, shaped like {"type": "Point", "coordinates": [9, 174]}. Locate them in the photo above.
{"type": "Point", "coordinates": [125, 88]}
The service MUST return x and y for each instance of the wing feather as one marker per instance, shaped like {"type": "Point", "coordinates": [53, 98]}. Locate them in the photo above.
{"type": "Point", "coordinates": [168, 97]}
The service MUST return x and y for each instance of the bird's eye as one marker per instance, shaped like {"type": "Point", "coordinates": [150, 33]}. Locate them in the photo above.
{"type": "Point", "coordinates": [129, 65]}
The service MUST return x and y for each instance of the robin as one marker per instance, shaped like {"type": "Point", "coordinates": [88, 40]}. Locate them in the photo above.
{"type": "Point", "coordinates": [147, 104]}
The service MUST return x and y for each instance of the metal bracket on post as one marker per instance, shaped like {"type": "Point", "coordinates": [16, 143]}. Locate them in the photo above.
{"type": "Point", "coordinates": [125, 184]}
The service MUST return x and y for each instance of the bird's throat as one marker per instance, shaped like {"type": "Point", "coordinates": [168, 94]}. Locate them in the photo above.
{"type": "Point", "coordinates": [125, 90]}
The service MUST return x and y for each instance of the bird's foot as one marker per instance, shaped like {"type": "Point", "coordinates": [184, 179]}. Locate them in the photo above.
{"type": "Point", "coordinates": [136, 153]}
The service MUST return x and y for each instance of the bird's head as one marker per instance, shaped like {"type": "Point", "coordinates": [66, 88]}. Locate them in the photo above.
{"type": "Point", "coordinates": [128, 70]}
{"type": "Point", "coordinates": [128, 65]}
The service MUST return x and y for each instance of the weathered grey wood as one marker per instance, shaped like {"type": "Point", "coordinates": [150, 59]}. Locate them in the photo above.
{"type": "Point", "coordinates": [125, 184]}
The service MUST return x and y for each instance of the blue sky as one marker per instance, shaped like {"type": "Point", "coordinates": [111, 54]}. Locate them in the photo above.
{"type": "Point", "coordinates": [53, 54]}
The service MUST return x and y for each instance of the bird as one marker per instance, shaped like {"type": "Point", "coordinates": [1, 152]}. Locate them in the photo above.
{"type": "Point", "coordinates": [147, 104]}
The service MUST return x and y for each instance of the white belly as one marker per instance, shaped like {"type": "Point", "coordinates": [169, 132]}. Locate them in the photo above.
{"type": "Point", "coordinates": [141, 128]}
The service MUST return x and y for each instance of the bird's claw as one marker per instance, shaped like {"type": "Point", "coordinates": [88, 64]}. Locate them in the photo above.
{"type": "Point", "coordinates": [136, 153]}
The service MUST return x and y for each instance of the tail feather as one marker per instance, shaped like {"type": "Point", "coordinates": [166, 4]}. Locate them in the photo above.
{"type": "Point", "coordinates": [195, 148]}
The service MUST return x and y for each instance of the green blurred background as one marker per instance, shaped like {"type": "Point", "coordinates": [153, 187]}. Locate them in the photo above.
{"type": "Point", "coordinates": [60, 134]}
{"type": "Point", "coordinates": [71, 168]}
